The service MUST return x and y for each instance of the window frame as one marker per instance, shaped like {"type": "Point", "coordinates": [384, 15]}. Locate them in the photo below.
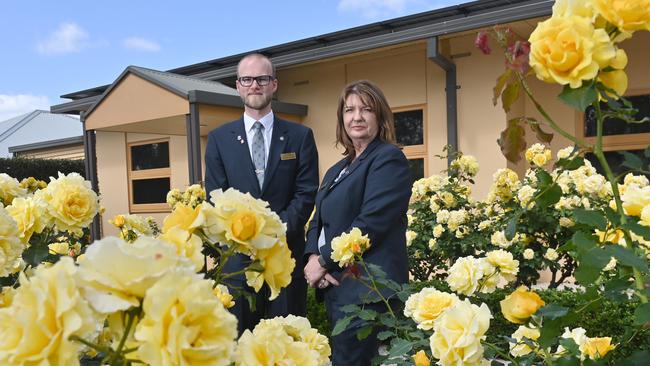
{"type": "Point", "coordinates": [133, 175]}
{"type": "Point", "coordinates": [417, 151]}
{"type": "Point", "coordinates": [616, 142]}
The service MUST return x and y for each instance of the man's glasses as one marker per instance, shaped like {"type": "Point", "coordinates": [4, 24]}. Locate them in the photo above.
{"type": "Point", "coordinates": [262, 80]}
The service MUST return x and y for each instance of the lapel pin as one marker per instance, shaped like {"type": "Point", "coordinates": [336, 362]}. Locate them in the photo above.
{"type": "Point", "coordinates": [281, 138]}
{"type": "Point", "coordinates": [241, 141]}
{"type": "Point", "coordinates": [238, 137]}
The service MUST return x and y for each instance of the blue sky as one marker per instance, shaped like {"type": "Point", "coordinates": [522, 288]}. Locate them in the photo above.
{"type": "Point", "coordinates": [50, 48]}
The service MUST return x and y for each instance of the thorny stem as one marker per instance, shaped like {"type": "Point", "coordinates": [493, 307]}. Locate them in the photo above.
{"type": "Point", "coordinates": [376, 289]}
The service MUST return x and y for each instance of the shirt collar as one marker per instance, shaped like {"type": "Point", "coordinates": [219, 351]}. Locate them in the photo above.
{"type": "Point", "coordinates": [266, 121]}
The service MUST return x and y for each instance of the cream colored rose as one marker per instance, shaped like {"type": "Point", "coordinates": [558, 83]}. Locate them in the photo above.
{"type": "Point", "coordinates": [184, 323]}
{"type": "Point", "coordinates": [29, 215]}
{"type": "Point", "coordinates": [458, 333]}
{"type": "Point", "coordinates": [579, 336]}
{"type": "Point", "coordinates": [520, 305]}
{"type": "Point", "coordinates": [520, 348]}
{"type": "Point", "coordinates": [46, 311]}
{"type": "Point", "coordinates": [223, 294]}
{"type": "Point", "coordinates": [569, 50]}
{"type": "Point", "coordinates": [9, 189]}
{"type": "Point", "coordinates": [60, 248]}
{"type": "Point", "coordinates": [566, 222]}
{"type": "Point", "coordinates": [278, 266]}
{"type": "Point", "coordinates": [504, 261]}
{"type": "Point", "coordinates": [635, 199]}
{"type": "Point", "coordinates": [529, 254]}
{"type": "Point", "coordinates": [427, 305]}
{"type": "Point", "coordinates": [11, 248]}
{"type": "Point", "coordinates": [464, 275]}
{"type": "Point", "coordinates": [627, 15]}
{"type": "Point", "coordinates": [565, 153]}
{"type": "Point", "coordinates": [410, 236]}
{"type": "Point", "coordinates": [438, 230]}
{"type": "Point", "coordinates": [70, 202]}
{"type": "Point", "coordinates": [525, 195]}
{"type": "Point", "coordinates": [300, 329]}
{"type": "Point", "coordinates": [348, 245]}
{"type": "Point", "coordinates": [432, 243]}
{"type": "Point", "coordinates": [184, 217]}
{"type": "Point", "coordinates": [186, 244]}
{"type": "Point", "coordinates": [115, 275]}
{"type": "Point", "coordinates": [551, 254]}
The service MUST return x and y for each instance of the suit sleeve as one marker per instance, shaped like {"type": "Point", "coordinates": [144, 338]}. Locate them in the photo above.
{"type": "Point", "coordinates": [301, 204]}
{"type": "Point", "coordinates": [215, 173]}
{"type": "Point", "coordinates": [385, 199]}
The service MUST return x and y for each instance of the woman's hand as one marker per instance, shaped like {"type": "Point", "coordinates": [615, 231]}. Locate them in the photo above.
{"type": "Point", "coordinates": [316, 275]}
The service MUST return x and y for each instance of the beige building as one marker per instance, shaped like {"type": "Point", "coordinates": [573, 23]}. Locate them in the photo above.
{"type": "Point", "coordinates": [146, 132]}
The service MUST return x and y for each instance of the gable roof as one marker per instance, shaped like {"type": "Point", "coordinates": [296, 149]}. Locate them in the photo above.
{"type": "Point", "coordinates": [35, 127]}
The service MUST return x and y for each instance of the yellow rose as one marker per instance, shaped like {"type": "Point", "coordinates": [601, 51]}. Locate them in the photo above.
{"type": "Point", "coordinates": [59, 248]}
{"type": "Point", "coordinates": [7, 296]}
{"type": "Point", "coordinates": [615, 80]}
{"type": "Point", "coordinates": [635, 199]}
{"type": "Point", "coordinates": [278, 266]}
{"type": "Point", "coordinates": [185, 324]}
{"type": "Point", "coordinates": [569, 50]}
{"type": "Point", "coordinates": [300, 329]}
{"type": "Point", "coordinates": [438, 230]}
{"type": "Point", "coordinates": [185, 217]}
{"type": "Point", "coordinates": [421, 359]}
{"type": "Point", "coordinates": [186, 244]}
{"type": "Point", "coordinates": [269, 344]}
{"type": "Point", "coordinates": [427, 305]}
{"type": "Point", "coordinates": [410, 236]}
{"type": "Point", "coordinates": [239, 219]}
{"type": "Point", "coordinates": [46, 310]}
{"type": "Point", "coordinates": [520, 305]}
{"type": "Point", "coordinates": [597, 347]}
{"type": "Point", "coordinates": [29, 215]}
{"type": "Point", "coordinates": [347, 245]}
{"type": "Point", "coordinates": [627, 15]}
{"type": "Point", "coordinates": [70, 201]}
{"type": "Point", "coordinates": [464, 275]}
{"type": "Point", "coordinates": [504, 261]}
{"type": "Point", "coordinates": [11, 248]}
{"type": "Point", "coordinates": [9, 189]}
{"type": "Point", "coordinates": [222, 293]}
{"type": "Point", "coordinates": [118, 221]}
{"type": "Point", "coordinates": [458, 333]}
{"type": "Point", "coordinates": [521, 348]}
{"type": "Point", "coordinates": [583, 8]}
{"type": "Point", "coordinates": [114, 275]}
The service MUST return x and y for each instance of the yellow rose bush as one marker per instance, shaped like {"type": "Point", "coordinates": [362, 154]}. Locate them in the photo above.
{"type": "Point", "coordinates": [10, 188]}
{"type": "Point", "coordinates": [11, 247]}
{"type": "Point", "coordinates": [349, 246]}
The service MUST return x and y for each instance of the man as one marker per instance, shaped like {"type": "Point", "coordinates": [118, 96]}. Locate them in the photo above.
{"type": "Point", "coordinates": [271, 159]}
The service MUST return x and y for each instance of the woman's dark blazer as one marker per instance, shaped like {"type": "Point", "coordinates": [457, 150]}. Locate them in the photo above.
{"type": "Point", "coordinates": [372, 195]}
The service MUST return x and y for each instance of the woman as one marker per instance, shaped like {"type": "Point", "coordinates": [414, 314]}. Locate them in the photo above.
{"type": "Point", "coordinates": [368, 189]}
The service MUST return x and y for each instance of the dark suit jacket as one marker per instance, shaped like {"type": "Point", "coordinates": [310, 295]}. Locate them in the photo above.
{"type": "Point", "coordinates": [373, 195]}
{"type": "Point", "coordinates": [289, 185]}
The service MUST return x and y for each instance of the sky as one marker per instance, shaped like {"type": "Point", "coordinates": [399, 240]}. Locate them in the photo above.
{"type": "Point", "coordinates": [50, 48]}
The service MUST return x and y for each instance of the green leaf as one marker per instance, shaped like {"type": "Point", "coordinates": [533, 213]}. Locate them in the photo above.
{"type": "Point", "coordinates": [498, 87]}
{"type": "Point", "coordinates": [579, 98]}
{"type": "Point", "coordinates": [35, 254]}
{"type": "Point", "coordinates": [543, 178]}
{"type": "Point", "coordinates": [341, 325]}
{"type": "Point", "coordinates": [627, 257]}
{"type": "Point", "coordinates": [642, 314]}
{"type": "Point", "coordinates": [399, 347]}
{"type": "Point", "coordinates": [364, 332]}
{"type": "Point", "coordinates": [511, 228]}
{"type": "Point", "coordinates": [641, 230]}
{"type": "Point", "coordinates": [631, 161]}
{"type": "Point", "coordinates": [541, 134]}
{"type": "Point", "coordinates": [382, 336]}
{"type": "Point", "coordinates": [550, 331]}
{"type": "Point", "coordinates": [350, 308]}
{"type": "Point", "coordinates": [367, 314]}
{"type": "Point", "coordinates": [592, 218]}
{"type": "Point", "coordinates": [637, 358]}
{"type": "Point", "coordinates": [512, 141]}
{"type": "Point", "coordinates": [591, 258]}
{"type": "Point", "coordinates": [552, 311]}
{"type": "Point", "coordinates": [549, 196]}
{"type": "Point", "coordinates": [510, 95]}
{"type": "Point", "coordinates": [572, 164]}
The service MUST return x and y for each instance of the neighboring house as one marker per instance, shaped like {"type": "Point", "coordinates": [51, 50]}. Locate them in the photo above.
{"type": "Point", "coordinates": [146, 132]}
{"type": "Point", "coordinates": [41, 134]}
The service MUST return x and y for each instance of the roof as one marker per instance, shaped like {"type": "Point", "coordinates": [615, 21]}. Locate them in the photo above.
{"type": "Point", "coordinates": [68, 141]}
{"type": "Point", "coordinates": [458, 18]}
{"type": "Point", "coordinates": [36, 127]}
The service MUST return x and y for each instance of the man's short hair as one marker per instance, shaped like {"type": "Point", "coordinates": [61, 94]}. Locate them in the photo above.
{"type": "Point", "coordinates": [257, 55]}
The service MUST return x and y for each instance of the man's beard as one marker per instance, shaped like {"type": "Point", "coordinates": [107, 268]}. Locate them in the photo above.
{"type": "Point", "coordinates": [257, 102]}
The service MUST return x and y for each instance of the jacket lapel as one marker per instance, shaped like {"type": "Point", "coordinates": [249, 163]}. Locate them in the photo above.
{"type": "Point", "coordinates": [240, 148]}
{"type": "Point", "coordinates": [279, 140]}
{"type": "Point", "coordinates": [355, 164]}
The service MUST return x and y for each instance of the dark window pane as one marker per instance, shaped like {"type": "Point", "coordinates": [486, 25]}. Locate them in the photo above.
{"type": "Point", "coordinates": [615, 161]}
{"type": "Point", "coordinates": [409, 127]}
{"type": "Point", "coordinates": [150, 156]}
{"type": "Point", "coordinates": [617, 126]}
{"type": "Point", "coordinates": [416, 166]}
{"type": "Point", "coordinates": [150, 190]}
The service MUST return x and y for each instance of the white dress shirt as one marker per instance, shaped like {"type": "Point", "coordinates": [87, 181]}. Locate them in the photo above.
{"type": "Point", "coordinates": [267, 122]}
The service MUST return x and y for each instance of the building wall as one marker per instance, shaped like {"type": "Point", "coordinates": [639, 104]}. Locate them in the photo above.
{"type": "Point", "coordinates": [71, 152]}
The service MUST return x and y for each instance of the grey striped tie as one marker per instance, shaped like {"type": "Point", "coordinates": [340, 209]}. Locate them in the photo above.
{"type": "Point", "coordinates": [259, 153]}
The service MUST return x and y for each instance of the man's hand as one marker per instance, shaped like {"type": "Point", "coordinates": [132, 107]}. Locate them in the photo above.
{"type": "Point", "coordinates": [316, 275]}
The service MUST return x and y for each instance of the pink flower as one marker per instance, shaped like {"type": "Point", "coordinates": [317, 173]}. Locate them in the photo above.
{"type": "Point", "coordinates": [518, 53]}
{"type": "Point", "coordinates": [482, 42]}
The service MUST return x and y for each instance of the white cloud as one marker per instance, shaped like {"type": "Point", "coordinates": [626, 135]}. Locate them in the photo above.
{"type": "Point", "coordinates": [69, 37]}
{"type": "Point", "coordinates": [391, 8]}
{"type": "Point", "coordinates": [15, 105]}
{"type": "Point", "coordinates": [141, 44]}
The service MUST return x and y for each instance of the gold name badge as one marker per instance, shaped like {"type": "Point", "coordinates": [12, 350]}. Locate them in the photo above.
{"type": "Point", "coordinates": [288, 156]}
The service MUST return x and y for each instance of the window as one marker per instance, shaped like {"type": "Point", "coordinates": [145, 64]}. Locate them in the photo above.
{"type": "Point", "coordinates": [410, 131]}
{"type": "Point", "coordinates": [618, 135]}
{"type": "Point", "coordinates": [149, 176]}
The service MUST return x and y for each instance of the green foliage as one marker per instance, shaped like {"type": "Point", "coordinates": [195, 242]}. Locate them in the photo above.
{"type": "Point", "coordinates": [317, 314]}
{"type": "Point", "coordinates": [41, 169]}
